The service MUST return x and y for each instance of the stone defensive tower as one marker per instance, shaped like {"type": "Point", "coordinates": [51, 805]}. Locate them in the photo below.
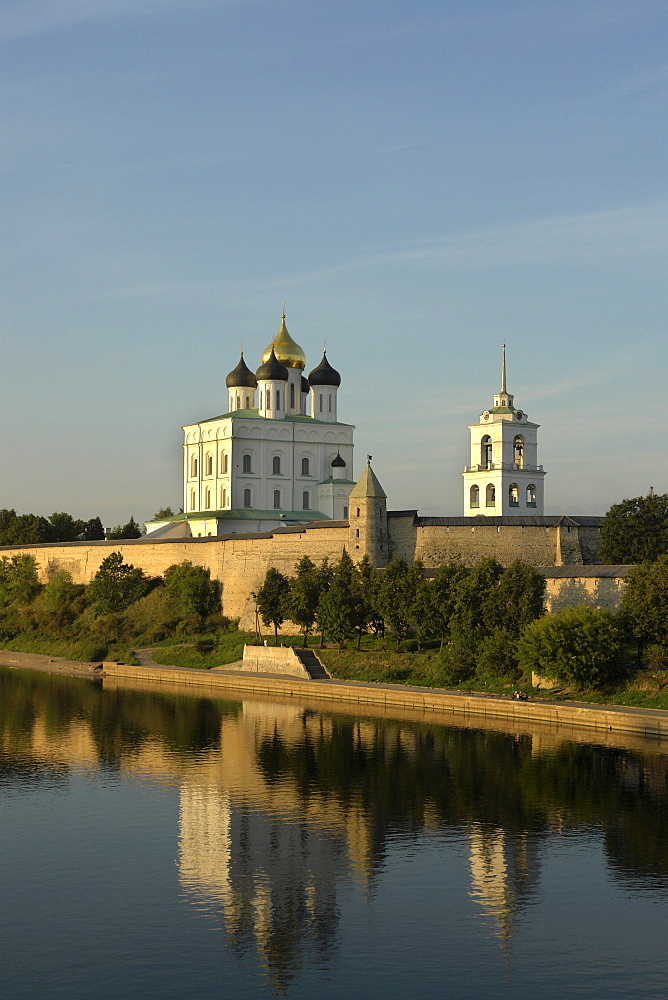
{"type": "Point", "coordinates": [368, 519]}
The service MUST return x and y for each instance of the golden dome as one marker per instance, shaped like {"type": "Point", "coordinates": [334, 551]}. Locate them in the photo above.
{"type": "Point", "coordinates": [287, 350]}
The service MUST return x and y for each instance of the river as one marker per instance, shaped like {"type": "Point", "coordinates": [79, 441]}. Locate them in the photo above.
{"type": "Point", "coordinates": [158, 845]}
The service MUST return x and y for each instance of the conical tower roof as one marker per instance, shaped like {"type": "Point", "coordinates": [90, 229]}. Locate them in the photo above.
{"type": "Point", "coordinates": [287, 350]}
{"type": "Point", "coordinates": [367, 485]}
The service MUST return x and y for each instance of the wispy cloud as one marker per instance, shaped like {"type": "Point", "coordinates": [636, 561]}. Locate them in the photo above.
{"type": "Point", "coordinates": [23, 18]}
{"type": "Point", "coordinates": [619, 235]}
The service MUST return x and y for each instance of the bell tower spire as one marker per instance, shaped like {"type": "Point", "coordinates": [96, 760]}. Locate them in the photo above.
{"type": "Point", "coordinates": [503, 369]}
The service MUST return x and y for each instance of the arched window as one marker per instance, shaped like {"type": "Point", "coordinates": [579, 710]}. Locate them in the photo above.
{"type": "Point", "coordinates": [531, 495]}
{"type": "Point", "coordinates": [260, 398]}
{"type": "Point", "coordinates": [305, 467]}
{"type": "Point", "coordinates": [357, 532]}
{"type": "Point", "coordinates": [277, 499]}
{"type": "Point", "coordinates": [193, 466]}
{"type": "Point", "coordinates": [238, 401]}
{"type": "Point", "coordinates": [224, 462]}
{"type": "Point", "coordinates": [345, 512]}
{"type": "Point", "coordinates": [474, 496]}
{"type": "Point", "coordinates": [247, 497]}
{"type": "Point", "coordinates": [278, 399]}
{"type": "Point", "coordinates": [267, 397]}
{"type": "Point", "coordinates": [518, 451]}
{"type": "Point", "coordinates": [223, 496]}
{"type": "Point", "coordinates": [490, 495]}
{"type": "Point", "coordinates": [306, 500]}
{"type": "Point", "coordinates": [330, 402]}
{"type": "Point", "coordinates": [320, 401]}
{"type": "Point", "coordinates": [192, 500]}
{"type": "Point", "coordinates": [276, 466]}
{"type": "Point", "coordinates": [209, 464]}
{"type": "Point", "coordinates": [486, 452]}
{"type": "Point", "coordinates": [513, 495]}
{"type": "Point", "coordinates": [207, 498]}
{"type": "Point", "coordinates": [246, 464]}
{"type": "Point", "coordinates": [248, 401]}
{"type": "Point", "coordinates": [292, 395]}
{"type": "Point", "coordinates": [357, 512]}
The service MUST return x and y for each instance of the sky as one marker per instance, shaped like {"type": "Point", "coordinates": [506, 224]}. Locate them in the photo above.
{"type": "Point", "coordinates": [419, 180]}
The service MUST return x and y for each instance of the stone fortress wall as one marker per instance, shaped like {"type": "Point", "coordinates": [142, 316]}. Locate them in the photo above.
{"type": "Point", "coordinates": [240, 562]}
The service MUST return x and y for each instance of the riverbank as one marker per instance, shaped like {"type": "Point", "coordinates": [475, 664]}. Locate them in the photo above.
{"type": "Point", "coordinates": [430, 702]}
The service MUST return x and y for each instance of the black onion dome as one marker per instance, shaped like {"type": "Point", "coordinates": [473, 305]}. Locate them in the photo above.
{"type": "Point", "coordinates": [338, 462]}
{"type": "Point", "coordinates": [324, 374]}
{"type": "Point", "coordinates": [241, 376]}
{"type": "Point", "coordinates": [272, 370]}
{"type": "Point", "coordinates": [305, 385]}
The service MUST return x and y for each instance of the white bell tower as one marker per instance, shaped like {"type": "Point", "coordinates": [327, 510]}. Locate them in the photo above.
{"type": "Point", "coordinates": [503, 477]}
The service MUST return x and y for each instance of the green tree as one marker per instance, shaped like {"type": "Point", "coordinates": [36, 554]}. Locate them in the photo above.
{"type": "Point", "coordinates": [397, 592]}
{"type": "Point", "coordinates": [422, 611]}
{"type": "Point", "coordinates": [65, 528]}
{"type": "Point", "coordinates": [163, 512]}
{"type": "Point", "coordinates": [59, 603]}
{"type": "Point", "coordinates": [341, 607]}
{"type": "Point", "coordinates": [517, 598]}
{"type": "Point", "coordinates": [367, 582]}
{"type": "Point", "coordinates": [325, 573]}
{"type": "Point", "coordinates": [117, 584]}
{"type": "Point", "coordinates": [129, 530]}
{"type": "Point", "coordinates": [272, 598]}
{"type": "Point", "coordinates": [192, 589]}
{"type": "Point", "coordinates": [92, 530]}
{"type": "Point", "coordinates": [444, 597]}
{"type": "Point", "coordinates": [635, 530]}
{"type": "Point", "coordinates": [644, 606]}
{"type": "Point", "coordinates": [23, 529]}
{"type": "Point", "coordinates": [304, 596]}
{"type": "Point", "coordinates": [580, 646]}
{"type": "Point", "coordinates": [474, 615]}
{"type": "Point", "coordinates": [19, 582]}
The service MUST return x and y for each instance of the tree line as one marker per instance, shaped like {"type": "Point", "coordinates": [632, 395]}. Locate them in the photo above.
{"type": "Point", "coordinates": [121, 606]}
{"type": "Point", "coordinates": [29, 529]}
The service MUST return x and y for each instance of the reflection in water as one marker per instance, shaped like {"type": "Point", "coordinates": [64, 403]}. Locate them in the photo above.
{"type": "Point", "coordinates": [281, 806]}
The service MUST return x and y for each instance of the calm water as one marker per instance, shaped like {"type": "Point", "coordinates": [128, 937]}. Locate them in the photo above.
{"type": "Point", "coordinates": [163, 846]}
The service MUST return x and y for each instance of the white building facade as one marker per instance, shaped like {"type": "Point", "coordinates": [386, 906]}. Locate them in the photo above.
{"type": "Point", "coordinates": [279, 455]}
{"type": "Point", "coordinates": [503, 477]}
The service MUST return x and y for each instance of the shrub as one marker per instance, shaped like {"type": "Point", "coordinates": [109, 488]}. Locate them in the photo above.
{"type": "Point", "coordinates": [497, 655]}
{"type": "Point", "coordinates": [580, 646]}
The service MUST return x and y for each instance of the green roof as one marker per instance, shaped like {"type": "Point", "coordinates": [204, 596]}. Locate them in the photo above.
{"type": "Point", "coordinates": [503, 409]}
{"type": "Point", "coordinates": [368, 485]}
{"type": "Point", "coordinates": [253, 514]}
{"type": "Point", "coordinates": [346, 482]}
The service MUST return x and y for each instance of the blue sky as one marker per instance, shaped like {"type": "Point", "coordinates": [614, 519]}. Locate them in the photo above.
{"type": "Point", "coordinates": [419, 181]}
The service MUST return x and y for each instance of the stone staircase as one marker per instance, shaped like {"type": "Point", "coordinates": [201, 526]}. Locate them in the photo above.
{"type": "Point", "coordinates": [312, 665]}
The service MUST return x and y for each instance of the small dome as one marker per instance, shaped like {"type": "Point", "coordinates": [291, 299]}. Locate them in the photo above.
{"type": "Point", "coordinates": [305, 385]}
{"type": "Point", "coordinates": [338, 462]}
{"type": "Point", "coordinates": [241, 376]}
{"type": "Point", "coordinates": [324, 374]}
{"type": "Point", "coordinates": [287, 350]}
{"type": "Point", "coordinates": [272, 370]}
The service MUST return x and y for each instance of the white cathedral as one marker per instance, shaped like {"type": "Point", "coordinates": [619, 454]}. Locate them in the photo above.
{"type": "Point", "coordinates": [280, 455]}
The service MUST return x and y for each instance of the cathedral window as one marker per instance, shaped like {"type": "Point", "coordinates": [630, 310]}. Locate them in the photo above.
{"type": "Point", "coordinates": [246, 464]}
{"type": "Point", "coordinates": [320, 401]}
{"type": "Point", "coordinates": [292, 396]}
{"type": "Point", "coordinates": [474, 496]}
{"type": "Point", "coordinates": [330, 402]}
{"type": "Point", "coordinates": [490, 495]}
{"type": "Point", "coordinates": [238, 401]}
{"type": "Point", "coordinates": [306, 500]}
{"type": "Point", "coordinates": [223, 497]}
{"type": "Point", "coordinates": [513, 495]}
{"type": "Point", "coordinates": [248, 402]}
{"type": "Point", "coordinates": [260, 398]}
{"type": "Point", "coordinates": [192, 500]}
{"type": "Point", "coordinates": [278, 399]}
{"type": "Point", "coordinates": [193, 466]}
{"type": "Point", "coordinates": [486, 452]}
{"type": "Point", "coordinates": [305, 467]}
{"type": "Point", "coordinates": [345, 512]}
{"type": "Point", "coordinates": [247, 497]}
{"type": "Point", "coordinates": [209, 465]}
{"type": "Point", "coordinates": [276, 466]}
{"type": "Point", "coordinates": [267, 397]}
{"type": "Point", "coordinates": [207, 498]}
{"type": "Point", "coordinates": [518, 451]}
{"type": "Point", "coordinates": [531, 495]}
{"type": "Point", "coordinates": [224, 462]}
{"type": "Point", "coordinates": [277, 499]}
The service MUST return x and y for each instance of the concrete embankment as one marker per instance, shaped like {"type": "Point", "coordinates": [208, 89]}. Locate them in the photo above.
{"type": "Point", "coordinates": [390, 698]}
{"type": "Point", "coordinates": [425, 701]}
